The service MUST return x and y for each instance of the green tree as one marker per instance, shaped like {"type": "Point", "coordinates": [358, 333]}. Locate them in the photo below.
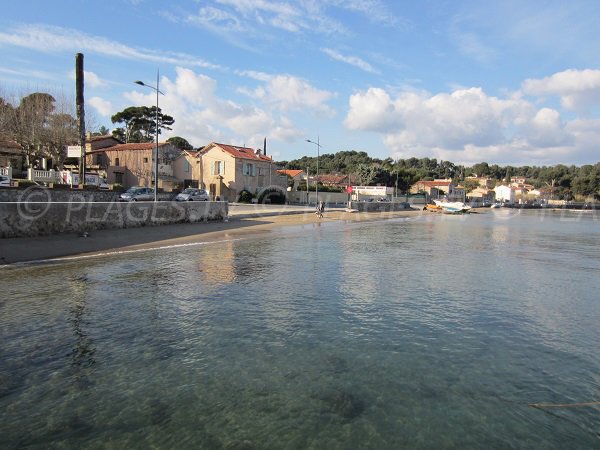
{"type": "Point", "coordinates": [481, 169]}
{"type": "Point", "coordinates": [140, 123]}
{"type": "Point", "coordinates": [180, 143]}
{"type": "Point", "coordinates": [102, 131]}
{"type": "Point", "coordinates": [366, 174]}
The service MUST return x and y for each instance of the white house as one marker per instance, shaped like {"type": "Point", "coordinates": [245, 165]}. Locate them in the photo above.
{"type": "Point", "coordinates": [505, 194]}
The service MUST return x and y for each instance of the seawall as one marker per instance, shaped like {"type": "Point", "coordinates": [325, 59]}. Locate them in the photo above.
{"type": "Point", "coordinates": [29, 219]}
{"type": "Point", "coordinates": [379, 206]}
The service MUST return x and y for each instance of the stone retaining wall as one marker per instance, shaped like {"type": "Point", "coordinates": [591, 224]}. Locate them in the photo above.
{"type": "Point", "coordinates": [379, 206]}
{"type": "Point", "coordinates": [44, 194]}
{"type": "Point", "coordinates": [21, 219]}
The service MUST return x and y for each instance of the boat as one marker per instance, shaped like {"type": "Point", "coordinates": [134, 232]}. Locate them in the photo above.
{"type": "Point", "coordinates": [432, 207]}
{"type": "Point", "coordinates": [452, 207]}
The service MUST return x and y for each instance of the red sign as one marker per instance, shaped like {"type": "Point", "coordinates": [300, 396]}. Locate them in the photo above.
{"type": "Point", "coordinates": [349, 189]}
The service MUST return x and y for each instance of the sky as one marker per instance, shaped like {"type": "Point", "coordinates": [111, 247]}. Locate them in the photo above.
{"type": "Point", "coordinates": [506, 82]}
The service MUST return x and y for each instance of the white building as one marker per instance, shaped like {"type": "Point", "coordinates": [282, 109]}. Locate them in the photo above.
{"type": "Point", "coordinates": [505, 194]}
{"type": "Point", "coordinates": [370, 193]}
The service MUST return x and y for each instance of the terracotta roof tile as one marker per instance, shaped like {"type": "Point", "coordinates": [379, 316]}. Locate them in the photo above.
{"type": "Point", "coordinates": [242, 152]}
{"type": "Point", "coordinates": [134, 146]}
{"type": "Point", "coordinates": [290, 172]}
{"type": "Point", "coordinates": [434, 183]}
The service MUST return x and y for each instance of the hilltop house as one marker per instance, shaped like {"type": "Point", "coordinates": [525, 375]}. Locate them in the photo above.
{"type": "Point", "coordinates": [481, 196]}
{"type": "Point", "coordinates": [434, 189]}
{"type": "Point", "coordinates": [505, 194]}
{"type": "Point", "coordinates": [484, 182]}
{"type": "Point", "coordinates": [334, 180]}
{"type": "Point", "coordinates": [132, 164]}
{"type": "Point", "coordinates": [227, 170]}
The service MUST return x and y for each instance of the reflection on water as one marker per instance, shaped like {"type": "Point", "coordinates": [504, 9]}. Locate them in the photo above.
{"type": "Point", "coordinates": [429, 333]}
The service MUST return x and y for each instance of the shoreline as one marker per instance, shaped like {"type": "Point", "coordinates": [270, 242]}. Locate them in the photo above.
{"type": "Point", "coordinates": [55, 248]}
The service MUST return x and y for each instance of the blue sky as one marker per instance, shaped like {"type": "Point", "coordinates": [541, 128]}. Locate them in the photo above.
{"type": "Point", "coordinates": [507, 82]}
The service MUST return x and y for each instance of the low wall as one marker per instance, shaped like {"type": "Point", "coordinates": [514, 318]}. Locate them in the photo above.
{"type": "Point", "coordinates": [44, 194]}
{"type": "Point", "coordinates": [21, 219]}
{"type": "Point", "coordinates": [379, 206]}
{"type": "Point", "coordinates": [330, 198]}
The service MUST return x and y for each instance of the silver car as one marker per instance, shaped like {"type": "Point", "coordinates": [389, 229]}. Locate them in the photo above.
{"type": "Point", "coordinates": [137, 194]}
{"type": "Point", "coordinates": [192, 194]}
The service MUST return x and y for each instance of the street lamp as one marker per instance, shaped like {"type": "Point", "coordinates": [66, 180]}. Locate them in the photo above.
{"type": "Point", "coordinates": [141, 83]}
{"type": "Point", "coordinates": [317, 181]}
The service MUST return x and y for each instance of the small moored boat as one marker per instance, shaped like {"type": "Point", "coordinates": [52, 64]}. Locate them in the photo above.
{"type": "Point", "coordinates": [452, 207]}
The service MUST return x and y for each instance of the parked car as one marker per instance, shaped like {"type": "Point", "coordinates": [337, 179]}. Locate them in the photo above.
{"type": "Point", "coordinates": [4, 181]}
{"type": "Point", "coordinates": [192, 194]}
{"type": "Point", "coordinates": [137, 194]}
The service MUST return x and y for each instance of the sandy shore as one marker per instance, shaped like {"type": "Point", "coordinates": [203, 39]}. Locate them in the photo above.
{"type": "Point", "coordinates": [16, 250]}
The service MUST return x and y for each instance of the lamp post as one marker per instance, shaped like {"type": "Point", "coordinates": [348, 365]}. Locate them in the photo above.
{"type": "Point", "coordinates": [317, 181]}
{"type": "Point", "coordinates": [141, 83]}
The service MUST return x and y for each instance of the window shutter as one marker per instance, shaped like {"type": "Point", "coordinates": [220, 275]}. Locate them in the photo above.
{"type": "Point", "coordinates": [253, 170]}
{"type": "Point", "coordinates": [212, 168]}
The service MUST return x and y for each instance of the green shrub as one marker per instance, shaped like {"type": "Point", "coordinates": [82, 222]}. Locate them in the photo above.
{"type": "Point", "coordinates": [245, 197]}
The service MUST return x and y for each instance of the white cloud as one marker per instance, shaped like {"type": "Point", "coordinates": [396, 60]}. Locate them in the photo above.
{"type": "Point", "coordinates": [547, 130]}
{"type": "Point", "coordinates": [288, 93]}
{"type": "Point", "coordinates": [46, 38]}
{"type": "Point", "coordinates": [375, 10]}
{"type": "Point", "coordinates": [201, 116]}
{"type": "Point", "coordinates": [578, 90]}
{"type": "Point", "coordinates": [352, 60]}
{"type": "Point", "coordinates": [243, 16]}
{"type": "Point", "coordinates": [104, 107]}
{"type": "Point", "coordinates": [90, 79]}
{"type": "Point", "coordinates": [466, 126]}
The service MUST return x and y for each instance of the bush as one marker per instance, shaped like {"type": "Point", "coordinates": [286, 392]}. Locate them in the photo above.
{"type": "Point", "coordinates": [272, 195]}
{"type": "Point", "coordinates": [245, 197]}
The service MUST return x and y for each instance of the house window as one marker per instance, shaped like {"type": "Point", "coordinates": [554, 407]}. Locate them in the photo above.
{"type": "Point", "coordinates": [186, 166]}
{"type": "Point", "coordinates": [249, 169]}
{"type": "Point", "coordinates": [119, 178]}
{"type": "Point", "coordinates": [145, 160]}
{"type": "Point", "coordinates": [218, 167]}
{"type": "Point", "coordinates": [117, 162]}
{"type": "Point", "coordinates": [261, 171]}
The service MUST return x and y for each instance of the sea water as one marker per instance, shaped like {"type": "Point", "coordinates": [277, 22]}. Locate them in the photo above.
{"type": "Point", "coordinates": [428, 332]}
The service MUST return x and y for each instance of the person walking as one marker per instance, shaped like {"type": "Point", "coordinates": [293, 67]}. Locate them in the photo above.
{"type": "Point", "coordinates": [320, 209]}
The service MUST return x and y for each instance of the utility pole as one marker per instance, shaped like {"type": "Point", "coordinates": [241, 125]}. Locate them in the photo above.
{"type": "Point", "coordinates": [80, 107]}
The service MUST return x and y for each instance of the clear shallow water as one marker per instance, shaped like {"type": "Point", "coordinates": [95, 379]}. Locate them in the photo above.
{"type": "Point", "coordinates": [434, 332]}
